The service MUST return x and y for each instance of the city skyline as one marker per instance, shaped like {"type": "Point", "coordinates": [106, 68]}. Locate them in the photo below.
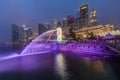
{"type": "Point", "coordinates": [32, 12]}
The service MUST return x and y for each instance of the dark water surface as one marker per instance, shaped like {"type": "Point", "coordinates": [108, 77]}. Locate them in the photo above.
{"type": "Point", "coordinates": [58, 66]}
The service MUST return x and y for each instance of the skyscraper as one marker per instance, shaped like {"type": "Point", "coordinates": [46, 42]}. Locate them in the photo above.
{"type": "Point", "coordinates": [64, 25]}
{"type": "Point", "coordinates": [57, 23]}
{"type": "Point", "coordinates": [83, 16]}
{"type": "Point", "coordinates": [15, 33]}
{"type": "Point", "coordinates": [70, 21]}
{"type": "Point", "coordinates": [64, 22]}
{"type": "Point", "coordinates": [47, 26]}
{"type": "Point", "coordinates": [41, 28]}
{"type": "Point", "coordinates": [93, 20]}
{"type": "Point", "coordinates": [25, 33]}
{"type": "Point", "coordinates": [78, 19]}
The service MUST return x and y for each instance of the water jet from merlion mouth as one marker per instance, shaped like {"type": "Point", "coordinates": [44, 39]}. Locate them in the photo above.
{"type": "Point", "coordinates": [44, 42]}
{"type": "Point", "coordinates": [38, 44]}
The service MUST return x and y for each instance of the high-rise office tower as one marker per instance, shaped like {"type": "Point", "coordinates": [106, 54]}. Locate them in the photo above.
{"type": "Point", "coordinates": [64, 25]}
{"type": "Point", "coordinates": [57, 23]}
{"type": "Point", "coordinates": [64, 22]}
{"type": "Point", "coordinates": [41, 28]}
{"type": "Point", "coordinates": [70, 21]}
{"type": "Point", "coordinates": [25, 33]}
{"type": "Point", "coordinates": [15, 33]}
{"type": "Point", "coordinates": [78, 19]}
{"type": "Point", "coordinates": [83, 16]}
{"type": "Point", "coordinates": [47, 26]}
{"type": "Point", "coordinates": [93, 20]}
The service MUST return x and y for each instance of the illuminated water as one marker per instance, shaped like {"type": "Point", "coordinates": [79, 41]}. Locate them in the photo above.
{"type": "Point", "coordinates": [58, 66]}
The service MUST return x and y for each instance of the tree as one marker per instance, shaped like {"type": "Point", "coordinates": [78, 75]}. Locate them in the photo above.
{"type": "Point", "coordinates": [72, 33]}
{"type": "Point", "coordinates": [92, 35]}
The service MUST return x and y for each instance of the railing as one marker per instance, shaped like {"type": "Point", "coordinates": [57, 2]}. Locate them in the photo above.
{"type": "Point", "coordinates": [114, 46]}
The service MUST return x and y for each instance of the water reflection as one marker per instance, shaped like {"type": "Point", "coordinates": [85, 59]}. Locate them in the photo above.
{"type": "Point", "coordinates": [98, 66]}
{"type": "Point", "coordinates": [61, 67]}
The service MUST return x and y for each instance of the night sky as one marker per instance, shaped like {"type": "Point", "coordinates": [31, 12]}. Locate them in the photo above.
{"type": "Point", "coordinates": [32, 12]}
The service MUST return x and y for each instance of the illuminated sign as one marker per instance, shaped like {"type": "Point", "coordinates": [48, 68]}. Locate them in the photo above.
{"type": "Point", "coordinates": [84, 7]}
{"type": "Point", "coordinates": [59, 34]}
{"type": "Point", "coordinates": [70, 19]}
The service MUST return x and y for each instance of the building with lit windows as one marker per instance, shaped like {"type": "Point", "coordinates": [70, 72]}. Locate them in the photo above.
{"type": "Point", "coordinates": [93, 21]}
{"type": "Point", "coordinates": [44, 27]}
{"type": "Point", "coordinates": [64, 23]}
{"type": "Point", "coordinates": [33, 36]}
{"type": "Point", "coordinates": [83, 21]}
{"type": "Point", "coordinates": [41, 29]}
{"type": "Point", "coordinates": [78, 19]}
{"type": "Point", "coordinates": [70, 21]}
{"type": "Point", "coordinates": [15, 33]}
{"type": "Point", "coordinates": [48, 26]}
{"type": "Point", "coordinates": [99, 30]}
{"type": "Point", "coordinates": [57, 23]}
{"type": "Point", "coordinates": [25, 33]}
